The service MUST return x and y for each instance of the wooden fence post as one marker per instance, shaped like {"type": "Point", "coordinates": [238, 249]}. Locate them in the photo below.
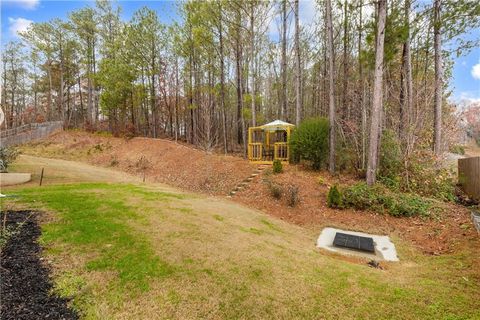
{"type": "Point", "coordinates": [41, 177]}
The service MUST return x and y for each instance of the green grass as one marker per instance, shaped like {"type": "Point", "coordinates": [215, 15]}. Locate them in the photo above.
{"type": "Point", "coordinates": [128, 251]}
{"type": "Point", "coordinates": [93, 220]}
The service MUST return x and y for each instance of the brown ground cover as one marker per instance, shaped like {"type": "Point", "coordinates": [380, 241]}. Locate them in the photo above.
{"type": "Point", "coordinates": [176, 164]}
{"type": "Point", "coordinates": [183, 166]}
{"type": "Point", "coordinates": [450, 230]}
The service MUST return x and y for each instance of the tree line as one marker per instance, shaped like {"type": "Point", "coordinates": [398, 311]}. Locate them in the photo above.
{"type": "Point", "coordinates": [368, 66]}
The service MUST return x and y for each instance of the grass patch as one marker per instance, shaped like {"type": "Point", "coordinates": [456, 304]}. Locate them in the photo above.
{"type": "Point", "coordinates": [253, 230]}
{"type": "Point", "coordinates": [138, 256]}
{"type": "Point", "coordinates": [218, 217]}
{"type": "Point", "coordinates": [270, 225]}
{"type": "Point", "coordinates": [93, 220]}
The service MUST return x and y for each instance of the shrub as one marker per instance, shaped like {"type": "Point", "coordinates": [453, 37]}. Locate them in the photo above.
{"type": "Point", "coordinates": [390, 160]}
{"type": "Point", "coordinates": [334, 198]}
{"type": "Point", "coordinates": [275, 190]}
{"type": "Point", "coordinates": [293, 197]}
{"type": "Point", "coordinates": [7, 156]}
{"type": "Point", "coordinates": [114, 161]}
{"type": "Point", "coordinates": [277, 166]}
{"type": "Point", "coordinates": [309, 142]}
{"type": "Point", "coordinates": [457, 149]}
{"type": "Point", "coordinates": [425, 176]}
{"type": "Point", "coordinates": [380, 199]}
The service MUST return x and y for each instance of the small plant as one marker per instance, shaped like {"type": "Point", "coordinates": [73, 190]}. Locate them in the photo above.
{"type": "Point", "coordinates": [143, 164]}
{"type": "Point", "coordinates": [321, 181]}
{"type": "Point", "coordinates": [457, 149]}
{"type": "Point", "coordinates": [7, 156]}
{"type": "Point", "coordinates": [275, 190]}
{"type": "Point", "coordinates": [390, 160]}
{"type": "Point", "coordinates": [277, 166]}
{"type": "Point", "coordinates": [334, 198]}
{"type": "Point", "coordinates": [114, 162]}
{"type": "Point", "coordinates": [293, 196]}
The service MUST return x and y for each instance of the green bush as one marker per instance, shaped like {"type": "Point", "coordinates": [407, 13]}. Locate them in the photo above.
{"type": "Point", "coordinates": [275, 190]}
{"type": "Point", "coordinates": [277, 166]}
{"type": "Point", "coordinates": [380, 199]}
{"type": "Point", "coordinates": [334, 198]}
{"type": "Point", "coordinates": [390, 160]}
{"type": "Point", "coordinates": [7, 156]}
{"type": "Point", "coordinates": [309, 141]}
{"type": "Point", "coordinates": [457, 149]}
{"type": "Point", "coordinates": [427, 177]}
{"type": "Point", "coordinates": [293, 197]}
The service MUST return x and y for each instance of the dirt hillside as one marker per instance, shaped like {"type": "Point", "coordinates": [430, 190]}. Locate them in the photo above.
{"type": "Point", "coordinates": [191, 169]}
{"type": "Point", "coordinates": [168, 162]}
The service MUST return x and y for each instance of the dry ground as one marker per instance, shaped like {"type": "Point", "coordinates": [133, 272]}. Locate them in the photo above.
{"type": "Point", "coordinates": [177, 164]}
{"type": "Point", "coordinates": [190, 169]}
{"type": "Point", "coordinates": [149, 251]}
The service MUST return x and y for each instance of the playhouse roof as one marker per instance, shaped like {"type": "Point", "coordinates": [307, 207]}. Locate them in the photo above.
{"type": "Point", "coordinates": [277, 124]}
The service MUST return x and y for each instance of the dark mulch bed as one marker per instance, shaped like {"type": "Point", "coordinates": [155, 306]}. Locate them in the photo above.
{"type": "Point", "coordinates": [25, 282]}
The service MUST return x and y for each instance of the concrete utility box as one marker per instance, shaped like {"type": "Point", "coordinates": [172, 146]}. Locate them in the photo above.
{"type": "Point", "coordinates": [10, 179]}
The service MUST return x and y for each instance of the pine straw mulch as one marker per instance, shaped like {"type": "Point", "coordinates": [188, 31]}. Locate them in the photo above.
{"type": "Point", "coordinates": [175, 163]}
{"type": "Point", "coordinates": [181, 165]}
{"type": "Point", "coordinates": [446, 233]}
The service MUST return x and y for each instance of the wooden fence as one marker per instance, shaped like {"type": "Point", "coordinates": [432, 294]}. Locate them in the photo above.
{"type": "Point", "coordinates": [469, 176]}
{"type": "Point", "coordinates": [28, 133]}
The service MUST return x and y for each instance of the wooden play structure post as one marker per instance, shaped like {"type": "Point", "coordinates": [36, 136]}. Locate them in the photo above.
{"type": "Point", "coordinates": [269, 142]}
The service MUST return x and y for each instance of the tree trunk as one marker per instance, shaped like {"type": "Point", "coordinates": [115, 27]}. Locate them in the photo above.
{"type": "Point", "coordinates": [406, 90]}
{"type": "Point", "coordinates": [238, 69]}
{"type": "Point", "coordinates": [298, 83]}
{"type": "Point", "coordinates": [176, 99]}
{"type": "Point", "coordinates": [61, 93]}
{"type": "Point", "coordinates": [331, 93]}
{"type": "Point", "coordinates": [437, 142]}
{"type": "Point", "coordinates": [361, 100]}
{"type": "Point", "coordinates": [252, 63]}
{"type": "Point", "coordinates": [222, 82]}
{"type": "Point", "coordinates": [90, 90]}
{"type": "Point", "coordinates": [49, 97]}
{"type": "Point", "coordinates": [345, 106]}
{"type": "Point", "coordinates": [377, 94]}
{"type": "Point", "coordinates": [284, 60]}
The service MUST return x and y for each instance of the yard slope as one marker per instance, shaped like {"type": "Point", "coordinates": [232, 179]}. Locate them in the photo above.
{"type": "Point", "coordinates": [176, 164]}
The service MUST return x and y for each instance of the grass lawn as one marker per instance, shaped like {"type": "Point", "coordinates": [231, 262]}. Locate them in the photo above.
{"type": "Point", "coordinates": [138, 251]}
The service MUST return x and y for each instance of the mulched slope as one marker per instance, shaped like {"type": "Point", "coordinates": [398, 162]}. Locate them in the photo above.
{"type": "Point", "coordinates": [25, 281]}
{"type": "Point", "coordinates": [448, 233]}
{"type": "Point", "coordinates": [177, 164]}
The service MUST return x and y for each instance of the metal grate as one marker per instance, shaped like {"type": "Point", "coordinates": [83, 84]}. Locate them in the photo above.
{"type": "Point", "coordinates": [353, 242]}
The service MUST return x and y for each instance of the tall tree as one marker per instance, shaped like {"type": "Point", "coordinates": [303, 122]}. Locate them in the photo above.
{"type": "Point", "coordinates": [85, 27]}
{"type": "Point", "coordinates": [406, 89]}
{"type": "Point", "coordinates": [331, 81]}
{"type": "Point", "coordinates": [252, 62]}
{"type": "Point", "coordinates": [377, 94]}
{"type": "Point", "coordinates": [283, 98]}
{"type": "Point", "coordinates": [437, 40]}
{"type": "Point", "coordinates": [298, 71]}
